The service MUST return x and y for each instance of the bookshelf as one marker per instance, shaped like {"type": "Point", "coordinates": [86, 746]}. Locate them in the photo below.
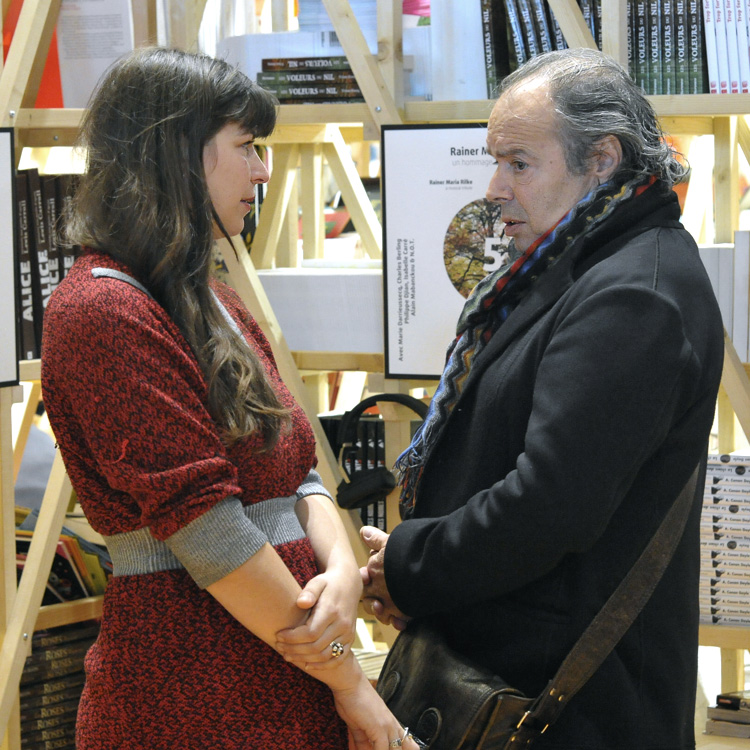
{"type": "Point", "coordinates": [381, 82]}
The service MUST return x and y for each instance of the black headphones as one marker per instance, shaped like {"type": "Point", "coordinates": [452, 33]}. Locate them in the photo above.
{"type": "Point", "coordinates": [362, 488]}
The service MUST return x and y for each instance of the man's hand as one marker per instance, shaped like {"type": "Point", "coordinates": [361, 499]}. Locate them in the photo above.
{"type": "Point", "coordinates": [376, 599]}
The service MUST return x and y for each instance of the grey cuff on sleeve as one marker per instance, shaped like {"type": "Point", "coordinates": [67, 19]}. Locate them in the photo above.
{"type": "Point", "coordinates": [312, 485]}
{"type": "Point", "coordinates": [216, 543]}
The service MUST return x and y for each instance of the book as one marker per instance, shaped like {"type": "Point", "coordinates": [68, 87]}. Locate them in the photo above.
{"type": "Point", "coordinates": [681, 54]}
{"type": "Point", "coordinates": [733, 55]}
{"type": "Point", "coordinates": [333, 62]}
{"type": "Point", "coordinates": [720, 30]}
{"type": "Point", "coordinates": [306, 77]}
{"type": "Point", "coordinates": [727, 728]}
{"type": "Point", "coordinates": [668, 44]}
{"type": "Point", "coordinates": [29, 349]}
{"type": "Point", "coordinates": [640, 44]}
{"type": "Point", "coordinates": [737, 699]}
{"type": "Point", "coordinates": [519, 52]}
{"type": "Point", "coordinates": [51, 223]}
{"type": "Point", "coordinates": [315, 91]}
{"type": "Point", "coordinates": [528, 29]}
{"type": "Point", "coordinates": [697, 64]}
{"type": "Point", "coordinates": [654, 48]}
{"type": "Point", "coordinates": [542, 25]}
{"type": "Point", "coordinates": [557, 34]}
{"type": "Point", "coordinates": [712, 58]}
{"type": "Point", "coordinates": [743, 44]}
{"type": "Point", "coordinates": [49, 688]}
{"type": "Point", "coordinates": [65, 185]}
{"type": "Point", "coordinates": [488, 48]}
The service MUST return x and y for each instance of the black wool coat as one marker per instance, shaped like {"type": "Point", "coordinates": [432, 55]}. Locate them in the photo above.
{"type": "Point", "coordinates": [579, 424]}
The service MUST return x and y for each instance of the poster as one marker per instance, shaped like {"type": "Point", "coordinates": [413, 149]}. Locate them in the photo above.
{"type": "Point", "coordinates": [440, 238]}
{"type": "Point", "coordinates": [9, 339]}
{"type": "Point", "coordinates": [91, 35]}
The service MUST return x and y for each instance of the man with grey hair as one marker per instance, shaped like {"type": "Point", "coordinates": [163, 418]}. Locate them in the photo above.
{"type": "Point", "coordinates": [576, 402]}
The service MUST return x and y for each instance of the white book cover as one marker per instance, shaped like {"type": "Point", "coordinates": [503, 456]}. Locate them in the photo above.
{"type": "Point", "coordinates": [741, 302]}
{"type": "Point", "coordinates": [709, 37]}
{"type": "Point", "coordinates": [733, 57]}
{"type": "Point", "coordinates": [458, 69]}
{"type": "Point", "coordinates": [718, 261]}
{"type": "Point", "coordinates": [720, 29]}
{"type": "Point", "coordinates": [743, 45]}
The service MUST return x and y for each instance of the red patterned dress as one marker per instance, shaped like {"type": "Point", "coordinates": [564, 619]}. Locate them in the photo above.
{"type": "Point", "coordinates": [171, 669]}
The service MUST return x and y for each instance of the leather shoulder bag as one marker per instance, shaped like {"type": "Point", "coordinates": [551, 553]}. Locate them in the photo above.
{"type": "Point", "coordinates": [450, 703]}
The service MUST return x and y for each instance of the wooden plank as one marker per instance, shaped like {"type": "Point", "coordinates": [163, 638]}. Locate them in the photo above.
{"type": "Point", "coordinates": [735, 381]}
{"type": "Point", "coordinates": [724, 636]}
{"type": "Point", "coordinates": [184, 18]}
{"type": "Point", "coordinates": [144, 22]}
{"type": "Point", "coordinates": [355, 196]}
{"type": "Point", "coordinates": [311, 199]}
{"type": "Point", "coordinates": [574, 28]}
{"type": "Point", "coordinates": [32, 401]}
{"type": "Point", "coordinates": [615, 30]}
{"type": "Point", "coordinates": [30, 370]}
{"type": "Point", "coordinates": [66, 613]}
{"type": "Point", "coordinates": [244, 279]}
{"type": "Point", "coordinates": [726, 179]}
{"type": "Point", "coordinates": [391, 47]}
{"type": "Point", "coordinates": [31, 588]}
{"type": "Point", "coordinates": [743, 136]}
{"type": "Point", "coordinates": [334, 361]}
{"type": "Point", "coordinates": [23, 68]}
{"type": "Point", "coordinates": [378, 98]}
{"type": "Point", "coordinates": [280, 187]}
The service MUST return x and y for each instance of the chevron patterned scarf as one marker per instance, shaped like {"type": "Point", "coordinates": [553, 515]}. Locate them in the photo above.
{"type": "Point", "coordinates": [490, 304]}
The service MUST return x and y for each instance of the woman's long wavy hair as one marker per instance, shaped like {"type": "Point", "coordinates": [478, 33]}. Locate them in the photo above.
{"type": "Point", "coordinates": [144, 200]}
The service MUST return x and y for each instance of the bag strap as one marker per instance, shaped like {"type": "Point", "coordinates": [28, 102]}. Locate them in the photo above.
{"type": "Point", "coordinates": [614, 619]}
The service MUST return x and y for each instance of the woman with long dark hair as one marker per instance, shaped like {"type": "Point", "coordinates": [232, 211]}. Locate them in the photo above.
{"type": "Point", "coordinates": [186, 450]}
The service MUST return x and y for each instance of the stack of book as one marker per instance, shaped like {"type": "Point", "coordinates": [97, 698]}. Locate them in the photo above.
{"type": "Point", "coordinates": [730, 717]}
{"type": "Point", "coordinates": [725, 542]}
{"type": "Point", "coordinates": [726, 46]}
{"type": "Point", "coordinates": [43, 259]}
{"type": "Point", "coordinates": [310, 80]}
{"type": "Point", "coordinates": [51, 685]}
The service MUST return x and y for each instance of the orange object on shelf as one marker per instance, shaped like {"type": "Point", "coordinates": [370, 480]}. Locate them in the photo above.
{"type": "Point", "coordinates": [50, 88]}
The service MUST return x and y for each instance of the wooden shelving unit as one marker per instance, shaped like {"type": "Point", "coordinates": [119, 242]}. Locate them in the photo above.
{"type": "Point", "coordinates": [307, 135]}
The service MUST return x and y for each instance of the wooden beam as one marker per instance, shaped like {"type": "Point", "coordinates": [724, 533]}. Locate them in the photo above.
{"type": "Point", "coordinates": [19, 82]}
{"type": "Point", "coordinates": [355, 196]}
{"type": "Point", "coordinates": [735, 381]}
{"type": "Point", "coordinates": [273, 212]}
{"type": "Point", "coordinates": [311, 199]}
{"type": "Point", "coordinates": [24, 611]}
{"type": "Point", "coordinates": [574, 28]}
{"type": "Point", "coordinates": [144, 22]}
{"type": "Point", "coordinates": [726, 178]}
{"type": "Point", "coordinates": [374, 88]}
{"type": "Point", "coordinates": [391, 47]}
{"type": "Point", "coordinates": [615, 30]}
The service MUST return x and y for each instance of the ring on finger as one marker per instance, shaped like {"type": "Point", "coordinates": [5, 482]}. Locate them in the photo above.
{"type": "Point", "coordinates": [337, 649]}
{"type": "Point", "coordinates": [399, 742]}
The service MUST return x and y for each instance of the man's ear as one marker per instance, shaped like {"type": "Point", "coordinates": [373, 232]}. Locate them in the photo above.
{"type": "Point", "coordinates": [607, 157]}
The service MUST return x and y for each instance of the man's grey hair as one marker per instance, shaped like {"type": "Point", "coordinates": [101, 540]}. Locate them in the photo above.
{"type": "Point", "coordinates": [594, 97]}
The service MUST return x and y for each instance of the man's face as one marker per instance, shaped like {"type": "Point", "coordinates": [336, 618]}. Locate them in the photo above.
{"type": "Point", "coordinates": [532, 183]}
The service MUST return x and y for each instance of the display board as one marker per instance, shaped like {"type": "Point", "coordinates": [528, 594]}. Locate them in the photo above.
{"type": "Point", "coordinates": [9, 324]}
{"type": "Point", "coordinates": [440, 238]}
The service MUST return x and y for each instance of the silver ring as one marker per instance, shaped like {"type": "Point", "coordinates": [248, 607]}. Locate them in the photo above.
{"type": "Point", "coordinates": [337, 649]}
{"type": "Point", "coordinates": [399, 742]}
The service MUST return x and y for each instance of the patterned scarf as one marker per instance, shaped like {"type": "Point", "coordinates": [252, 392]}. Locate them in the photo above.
{"type": "Point", "coordinates": [490, 304]}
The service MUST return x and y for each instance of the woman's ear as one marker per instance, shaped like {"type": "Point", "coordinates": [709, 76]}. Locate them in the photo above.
{"type": "Point", "coordinates": [607, 157]}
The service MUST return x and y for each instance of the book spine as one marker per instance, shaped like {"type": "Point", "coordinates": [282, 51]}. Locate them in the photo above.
{"type": "Point", "coordinates": [587, 10]}
{"type": "Point", "coordinates": [539, 8]}
{"type": "Point", "coordinates": [681, 61]}
{"type": "Point", "coordinates": [654, 47]}
{"type": "Point", "coordinates": [335, 62]}
{"type": "Point", "coordinates": [598, 23]}
{"type": "Point", "coordinates": [26, 291]}
{"type": "Point", "coordinates": [720, 30]}
{"type": "Point", "coordinates": [291, 77]}
{"type": "Point", "coordinates": [489, 48]}
{"type": "Point", "coordinates": [516, 32]}
{"type": "Point", "coordinates": [527, 24]}
{"type": "Point", "coordinates": [697, 62]}
{"type": "Point", "coordinates": [500, 45]}
{"type": "Point", "coordinates": [316, 91]}
{"type": "Point", "coordinates": [733, 56]}
{"type": "Point", "coordinates": [641, 44]}
{"type": "Point", "coordinates": [709, 38]}
{"type": "Point", "coordinates": [669, 78]}
{"type": "Point", "coordinates": [743, 45]}
{"type": "Point", "coordinates": [49, 200]}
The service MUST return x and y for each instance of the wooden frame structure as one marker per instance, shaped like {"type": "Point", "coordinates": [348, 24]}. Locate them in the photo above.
{"type": "Point", "coordinates": [301, 139]}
